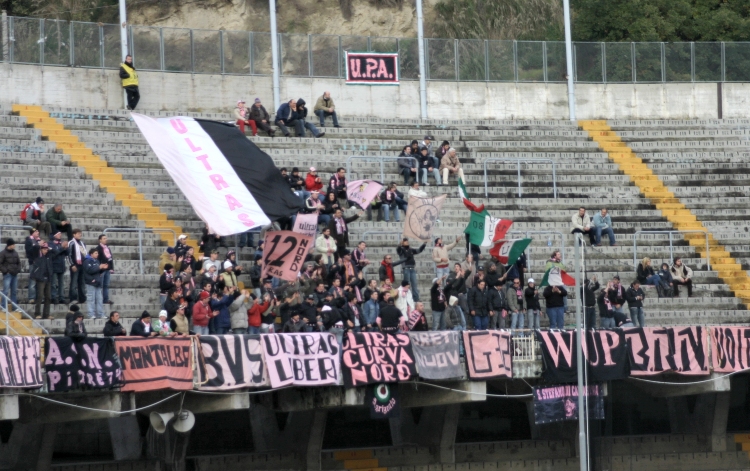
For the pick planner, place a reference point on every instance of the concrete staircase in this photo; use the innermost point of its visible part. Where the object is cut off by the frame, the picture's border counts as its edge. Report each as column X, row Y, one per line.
column 588, row 173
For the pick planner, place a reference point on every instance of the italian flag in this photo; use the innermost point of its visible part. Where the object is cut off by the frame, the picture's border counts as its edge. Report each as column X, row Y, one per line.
column 508, row 251
column 484, row 230
column 465, row 198
column 557, row 277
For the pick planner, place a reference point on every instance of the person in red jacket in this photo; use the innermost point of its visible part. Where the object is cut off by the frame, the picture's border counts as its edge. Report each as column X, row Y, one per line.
column 313, row 182
column 254, row 313
column 202, row 313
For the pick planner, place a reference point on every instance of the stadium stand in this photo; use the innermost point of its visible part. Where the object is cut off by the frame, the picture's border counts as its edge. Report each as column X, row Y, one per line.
column 586, row 176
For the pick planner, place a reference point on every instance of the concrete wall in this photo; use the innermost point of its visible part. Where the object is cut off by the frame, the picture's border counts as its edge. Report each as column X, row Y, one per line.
column 95, row 88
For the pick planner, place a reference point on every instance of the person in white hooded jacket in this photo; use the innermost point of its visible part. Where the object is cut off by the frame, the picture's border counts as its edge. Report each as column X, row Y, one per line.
column 404, row 300
column 238, row 312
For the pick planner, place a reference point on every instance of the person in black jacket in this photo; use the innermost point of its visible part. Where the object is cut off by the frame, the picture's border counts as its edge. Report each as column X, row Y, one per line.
column 589, row 301
column 407, row 254
column 498, row 305
column 309, row 311
column 302, row 114
column 555, row 306
column 390, row 318
column 606, row 311
column 166, row 283
column 10, row 267
column 295, row 324
column 113, row 328
column 76, row 329
column 142, row 327
column 438, row 302
column 105, row 257
column 58, row 252
column 41, row 273
column 533, row 309
column 616, row 294
column 352, row 314
column 339, row 227
column 479, row 305
column 635, row 296
column 31, row 247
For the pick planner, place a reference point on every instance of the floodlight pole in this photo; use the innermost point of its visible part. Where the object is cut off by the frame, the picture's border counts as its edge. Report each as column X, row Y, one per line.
column 582, row 410
column 569, row 61
column 124, row 42
column 422, row 77
column 274, row 53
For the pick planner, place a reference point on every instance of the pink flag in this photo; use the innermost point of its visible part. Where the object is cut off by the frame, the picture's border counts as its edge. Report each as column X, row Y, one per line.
column 363, row 192
column 306, row 224
column 284, row 254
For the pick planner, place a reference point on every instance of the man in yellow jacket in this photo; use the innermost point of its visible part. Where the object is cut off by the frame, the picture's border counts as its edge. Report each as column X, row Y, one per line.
column 129, row 78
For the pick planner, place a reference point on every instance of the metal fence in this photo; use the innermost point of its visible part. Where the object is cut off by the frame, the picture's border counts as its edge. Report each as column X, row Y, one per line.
column 77, row 44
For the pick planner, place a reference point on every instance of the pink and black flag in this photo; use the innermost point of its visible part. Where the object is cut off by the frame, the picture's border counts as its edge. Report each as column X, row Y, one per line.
column 232, row 185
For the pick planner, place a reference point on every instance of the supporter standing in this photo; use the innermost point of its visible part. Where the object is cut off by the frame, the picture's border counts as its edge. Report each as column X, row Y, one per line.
column 404, row 299
column 76, row 255
column 313, row 181
column 416, row 192
column 202, row 313
column 555, row 309
column 441, row 257
column 635, row 296
column 142, row 327
column 616, row 294
column 340, row 230
column 92, row 277
column 589, row 301
column 41, row 272
column 533, row 309
column 31, row 247
column 514, row 297
column 106, row 258
column 10, row 267
column 58, row 252
column 438, row 303
column 406, row 253
column 129, row 82
column 479, row 305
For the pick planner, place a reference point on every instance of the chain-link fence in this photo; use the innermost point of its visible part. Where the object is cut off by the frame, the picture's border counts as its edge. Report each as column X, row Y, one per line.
column 77, row 44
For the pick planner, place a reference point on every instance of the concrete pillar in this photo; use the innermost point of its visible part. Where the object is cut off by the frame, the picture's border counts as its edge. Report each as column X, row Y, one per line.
column 30, row 447
column 9, row 407
column 436, row 430
column 127, row 443
column 564, row 431
column 708, row 417
column 306, row 428
column 264, row 427
column 170, row 448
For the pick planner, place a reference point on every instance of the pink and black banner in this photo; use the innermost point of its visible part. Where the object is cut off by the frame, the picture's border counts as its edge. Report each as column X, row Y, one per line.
column 371, row 68
column 310, row 359
column 232, row 362
column 488, row 354
column 232, row 185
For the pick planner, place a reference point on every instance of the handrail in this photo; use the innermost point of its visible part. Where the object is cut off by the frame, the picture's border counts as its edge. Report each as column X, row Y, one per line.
column 140, row 231
column 381, row 158
column 11, row 226
column 518, row 163
column 671, row 247
column 23, row 313
column 528, row 233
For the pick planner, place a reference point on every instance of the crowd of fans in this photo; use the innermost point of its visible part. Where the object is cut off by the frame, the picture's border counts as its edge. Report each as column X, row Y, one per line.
column 339, row 287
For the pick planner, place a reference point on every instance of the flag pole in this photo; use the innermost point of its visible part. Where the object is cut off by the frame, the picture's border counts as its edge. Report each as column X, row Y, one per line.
column 582, row 435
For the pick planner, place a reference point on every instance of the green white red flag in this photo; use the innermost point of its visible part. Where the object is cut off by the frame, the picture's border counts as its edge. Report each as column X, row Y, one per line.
column 508, row 251
column 556, row 276
column 484, row 230
column 465, row 198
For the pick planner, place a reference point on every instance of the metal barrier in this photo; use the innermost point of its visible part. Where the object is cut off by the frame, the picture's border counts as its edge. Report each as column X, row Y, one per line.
column 81, row 44
column 528, row 250
column 7, row 308
column 381, row 158
column 11, row 226
column 140, row 232
column 671, row 246
column 518, row 163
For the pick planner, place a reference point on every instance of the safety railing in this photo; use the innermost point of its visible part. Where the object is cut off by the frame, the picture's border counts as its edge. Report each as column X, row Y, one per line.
column 524, row 346
column 381, row 159
column 11, row 226
column 140, row 231
column 198, row 51
column 671, row 244
column 9, row 306
column 518, row 166
column 528, row 234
